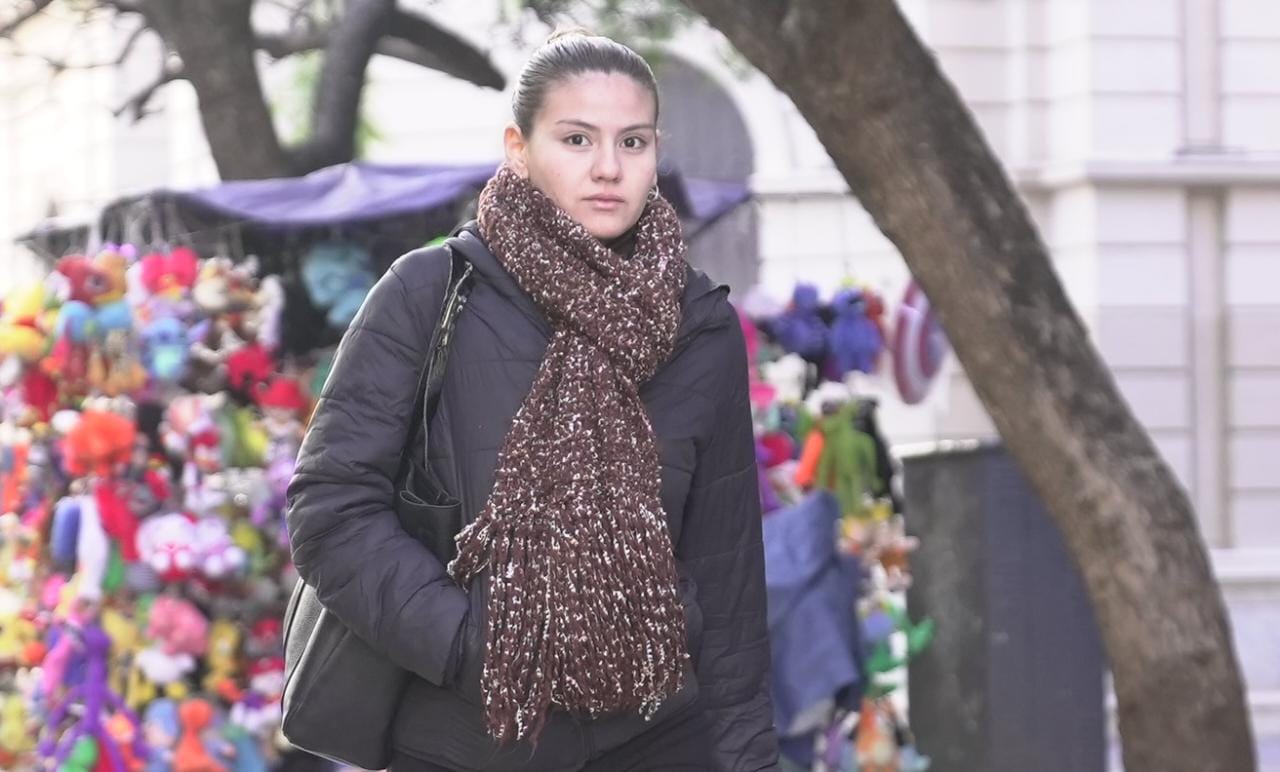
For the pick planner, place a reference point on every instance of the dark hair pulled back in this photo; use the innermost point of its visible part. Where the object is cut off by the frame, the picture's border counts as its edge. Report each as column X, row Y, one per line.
column 573, row 52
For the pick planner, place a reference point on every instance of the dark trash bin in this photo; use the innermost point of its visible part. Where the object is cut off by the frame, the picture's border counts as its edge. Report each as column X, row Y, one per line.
column 1013, row 681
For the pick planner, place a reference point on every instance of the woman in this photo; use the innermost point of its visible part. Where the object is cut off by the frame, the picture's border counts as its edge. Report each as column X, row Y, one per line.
column 606, row 608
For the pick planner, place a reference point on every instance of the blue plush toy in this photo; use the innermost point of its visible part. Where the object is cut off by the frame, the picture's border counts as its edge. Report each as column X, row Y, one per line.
column 337, row 278
column 165, row 349
column 800, row 329
column 855, row 339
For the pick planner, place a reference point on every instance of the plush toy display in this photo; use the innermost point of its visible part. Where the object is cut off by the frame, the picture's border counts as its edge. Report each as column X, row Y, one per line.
column 148, row 427
column 817, row 440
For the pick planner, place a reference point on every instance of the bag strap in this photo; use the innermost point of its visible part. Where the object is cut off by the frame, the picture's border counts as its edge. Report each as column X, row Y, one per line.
column 431, row 378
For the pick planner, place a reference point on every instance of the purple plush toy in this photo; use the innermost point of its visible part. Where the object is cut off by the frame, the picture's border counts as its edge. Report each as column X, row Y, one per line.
column 97, row 699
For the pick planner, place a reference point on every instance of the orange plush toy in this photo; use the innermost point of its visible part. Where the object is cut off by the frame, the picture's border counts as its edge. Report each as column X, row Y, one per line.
column 191, row 755
column 99, row 443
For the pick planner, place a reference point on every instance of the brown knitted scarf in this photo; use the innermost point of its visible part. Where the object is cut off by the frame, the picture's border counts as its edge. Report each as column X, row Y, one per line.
column 583, row 608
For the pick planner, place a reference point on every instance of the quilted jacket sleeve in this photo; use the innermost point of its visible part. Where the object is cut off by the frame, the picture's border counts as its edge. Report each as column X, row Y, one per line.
column 346, row 540
column 721, row 546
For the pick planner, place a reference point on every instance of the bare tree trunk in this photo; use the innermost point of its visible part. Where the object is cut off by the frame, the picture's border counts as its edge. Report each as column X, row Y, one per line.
column 216, row 42
column 912, row 153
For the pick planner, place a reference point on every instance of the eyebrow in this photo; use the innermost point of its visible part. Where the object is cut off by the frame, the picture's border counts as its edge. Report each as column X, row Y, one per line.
column 590, row 127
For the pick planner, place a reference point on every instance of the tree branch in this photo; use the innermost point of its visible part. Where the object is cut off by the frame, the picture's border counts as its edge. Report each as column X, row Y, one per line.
column 34, row 7
column 138, row 102
column 60, row 66
column 407, row 37
column 420, row 40
column 282, row 45
column 351, row 44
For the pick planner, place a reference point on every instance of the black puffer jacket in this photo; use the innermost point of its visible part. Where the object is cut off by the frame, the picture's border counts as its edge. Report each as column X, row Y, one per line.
column 395, row 594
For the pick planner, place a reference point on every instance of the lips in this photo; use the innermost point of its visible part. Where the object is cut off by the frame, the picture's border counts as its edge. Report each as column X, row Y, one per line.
column 605, row 199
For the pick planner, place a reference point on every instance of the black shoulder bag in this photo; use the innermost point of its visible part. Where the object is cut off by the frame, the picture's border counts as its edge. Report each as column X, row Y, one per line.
column 341, row 696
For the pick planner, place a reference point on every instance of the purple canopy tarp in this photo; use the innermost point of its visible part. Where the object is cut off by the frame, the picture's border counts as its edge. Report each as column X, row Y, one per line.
column 358, row 192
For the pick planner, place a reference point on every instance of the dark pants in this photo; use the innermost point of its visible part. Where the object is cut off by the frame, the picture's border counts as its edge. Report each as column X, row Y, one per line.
column 679, row 745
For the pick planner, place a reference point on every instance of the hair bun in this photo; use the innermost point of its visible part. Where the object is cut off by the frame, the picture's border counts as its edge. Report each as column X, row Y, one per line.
column 568, row 32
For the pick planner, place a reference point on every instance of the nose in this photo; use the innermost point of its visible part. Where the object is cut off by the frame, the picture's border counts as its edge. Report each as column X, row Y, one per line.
column 606, row 166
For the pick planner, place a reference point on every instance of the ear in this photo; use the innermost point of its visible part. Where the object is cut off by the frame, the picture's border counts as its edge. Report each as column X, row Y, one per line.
column 515, row 147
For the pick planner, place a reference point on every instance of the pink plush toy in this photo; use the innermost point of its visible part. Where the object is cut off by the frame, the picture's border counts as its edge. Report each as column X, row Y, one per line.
column 178, row 626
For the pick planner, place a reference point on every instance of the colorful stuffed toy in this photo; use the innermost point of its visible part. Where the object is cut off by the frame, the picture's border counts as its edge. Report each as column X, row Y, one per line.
column 164, row 342
column 23, row 330
column 855, row 341
column 17, row 731
column 95, row 701
column 161, row 730
column 337, row 278
column 170, row 276
column 167, row 543
column 100, row 444
column 217, row 556
column 223, row 660
column 191, row 755
column 800, row 329
column 178, row 626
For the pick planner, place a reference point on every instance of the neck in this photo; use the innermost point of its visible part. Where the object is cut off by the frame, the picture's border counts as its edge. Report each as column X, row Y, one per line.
column 624, row 243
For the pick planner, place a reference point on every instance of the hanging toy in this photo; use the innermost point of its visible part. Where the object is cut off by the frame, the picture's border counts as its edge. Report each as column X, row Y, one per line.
column 125, row 735
column 95, row 700
column 258, row 710
column 84, row 756
column 839, row 458
column 23, row 333
column 919, row 345
column 874, row 745
column 17, row 732
column 210, row 291
column 217, row 556
column 93, row 551
column 283, row 404
column 800, row 329
column 179, row 626
column 167, row 543
column 117, row 518
column 126, row 641
column 337, row 280
column 83, row 281
column 178, row 629
column 807, row 470
column 164, row 349
column 169, row 277
column 249, row 368
column 161, row 730
column 855, row 340
column 210, row 344
column 99, row 444
column 223, row 660
column 270, row 304
column 245, row 751
column 787, row 376
column 191, row 755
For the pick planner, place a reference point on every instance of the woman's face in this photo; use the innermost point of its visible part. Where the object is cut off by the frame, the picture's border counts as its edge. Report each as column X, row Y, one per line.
column 592, row 150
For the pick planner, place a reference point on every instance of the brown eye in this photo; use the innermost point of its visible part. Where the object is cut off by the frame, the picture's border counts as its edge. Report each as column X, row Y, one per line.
column 576, row 140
